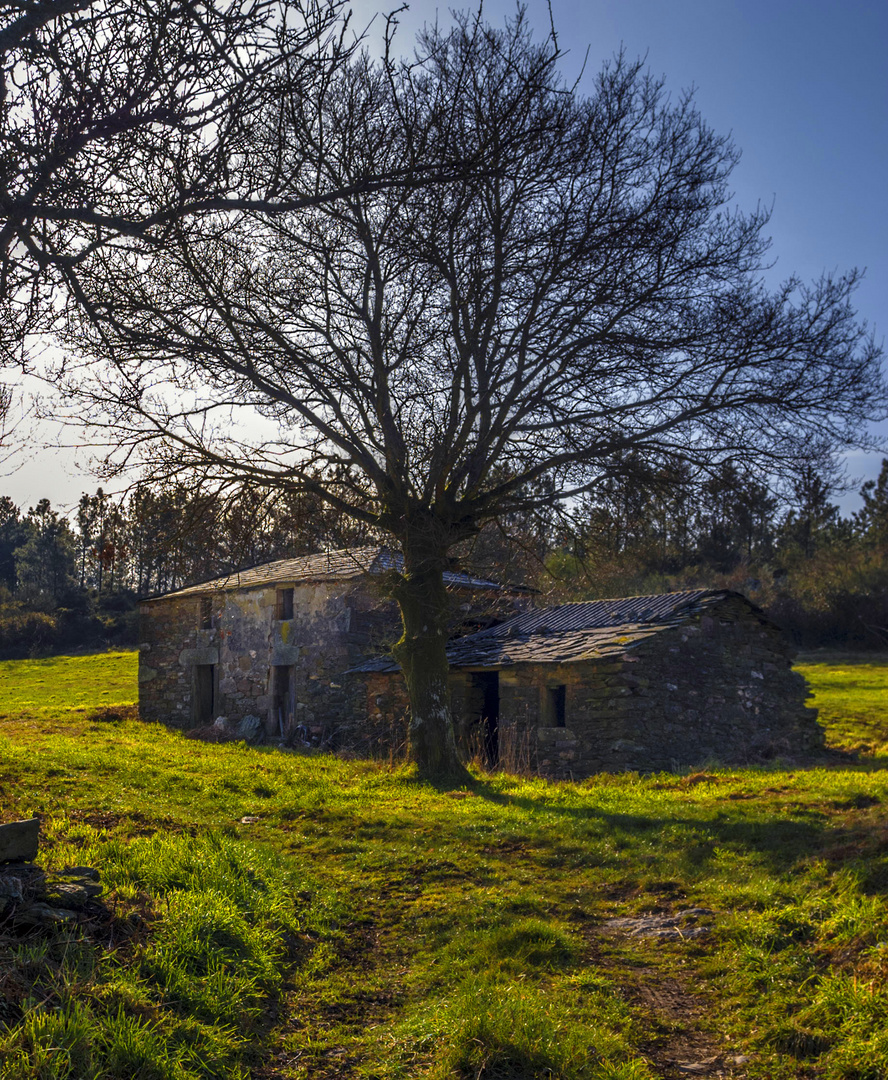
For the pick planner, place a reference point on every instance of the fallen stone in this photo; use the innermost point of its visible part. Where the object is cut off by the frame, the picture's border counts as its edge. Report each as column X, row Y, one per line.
column 250, row 819
column 66, row 894
column 698, row 1068
column 30, row 877
column 19, row 840
column 250, row 729
column 91, row 888
column 10, row 888
column 43, row 915
column 81, row 872
column 677, row 926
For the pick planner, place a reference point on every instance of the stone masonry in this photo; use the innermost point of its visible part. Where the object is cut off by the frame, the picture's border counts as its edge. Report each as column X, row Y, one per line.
column 331, row 627
column 712, row 684
column 274, row 642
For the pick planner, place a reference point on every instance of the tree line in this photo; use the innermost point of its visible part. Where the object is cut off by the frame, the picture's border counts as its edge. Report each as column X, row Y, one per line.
column 76, row 579
column 820, row 574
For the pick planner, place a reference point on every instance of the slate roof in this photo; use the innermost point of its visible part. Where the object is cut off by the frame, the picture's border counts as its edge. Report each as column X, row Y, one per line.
column 342, row 565
column 572, row 632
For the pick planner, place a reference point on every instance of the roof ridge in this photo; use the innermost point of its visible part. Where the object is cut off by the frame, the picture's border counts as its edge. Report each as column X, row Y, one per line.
column 348, row 562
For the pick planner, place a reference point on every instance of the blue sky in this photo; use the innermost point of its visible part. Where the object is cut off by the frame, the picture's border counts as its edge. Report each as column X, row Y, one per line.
column 802, row 88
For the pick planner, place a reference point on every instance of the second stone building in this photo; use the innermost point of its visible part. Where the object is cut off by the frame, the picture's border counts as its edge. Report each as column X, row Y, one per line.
column 644, row 683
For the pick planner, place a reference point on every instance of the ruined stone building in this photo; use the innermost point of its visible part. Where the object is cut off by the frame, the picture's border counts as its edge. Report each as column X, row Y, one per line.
column 297, row 648
column 643, row 683
column 271, row 643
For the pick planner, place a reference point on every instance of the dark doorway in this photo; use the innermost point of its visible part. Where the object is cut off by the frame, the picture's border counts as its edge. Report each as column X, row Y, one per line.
column 204, row 693
column 485, row 685
column 280, row 700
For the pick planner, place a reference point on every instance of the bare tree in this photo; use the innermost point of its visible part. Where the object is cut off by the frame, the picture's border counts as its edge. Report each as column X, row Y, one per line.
column 117, row 116
column 427, row 359
column 120, row 118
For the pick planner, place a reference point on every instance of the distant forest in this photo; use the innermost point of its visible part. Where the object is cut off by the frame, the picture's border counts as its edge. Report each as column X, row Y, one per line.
column 70, row 582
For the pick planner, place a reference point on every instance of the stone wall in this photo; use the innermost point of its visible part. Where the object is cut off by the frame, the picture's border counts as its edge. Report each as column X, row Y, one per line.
column 336, row 625
column 718, row 689
column 333, row 627
column 170, row 644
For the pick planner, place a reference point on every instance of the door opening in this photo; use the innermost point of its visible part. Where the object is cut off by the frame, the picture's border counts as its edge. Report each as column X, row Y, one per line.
column 280, row 700
column 486, row 687
column 204, row 694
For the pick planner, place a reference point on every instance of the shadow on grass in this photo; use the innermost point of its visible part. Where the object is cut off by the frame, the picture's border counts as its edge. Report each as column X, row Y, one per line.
column 781, row 836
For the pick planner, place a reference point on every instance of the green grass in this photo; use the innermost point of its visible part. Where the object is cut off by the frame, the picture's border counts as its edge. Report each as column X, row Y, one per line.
column 185, row 993
column 371, row 925
column 851, row 694
column 48, row 688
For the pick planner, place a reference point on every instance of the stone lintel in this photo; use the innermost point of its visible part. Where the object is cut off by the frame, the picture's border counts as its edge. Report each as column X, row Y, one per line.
column 285, row 655
column 207, row 655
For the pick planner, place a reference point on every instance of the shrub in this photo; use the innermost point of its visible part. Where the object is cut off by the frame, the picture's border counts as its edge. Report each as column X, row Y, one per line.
column 26, row 633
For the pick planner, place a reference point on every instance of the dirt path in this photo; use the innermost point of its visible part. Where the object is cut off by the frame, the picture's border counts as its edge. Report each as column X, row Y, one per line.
column 643, row 957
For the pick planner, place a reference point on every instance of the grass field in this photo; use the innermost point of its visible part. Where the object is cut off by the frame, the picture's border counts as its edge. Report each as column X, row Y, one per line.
column 58, row 685
column 276, row 915
column 852, row 696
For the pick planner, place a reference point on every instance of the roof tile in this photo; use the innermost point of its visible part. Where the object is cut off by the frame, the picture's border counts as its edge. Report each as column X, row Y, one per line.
column 571, row 632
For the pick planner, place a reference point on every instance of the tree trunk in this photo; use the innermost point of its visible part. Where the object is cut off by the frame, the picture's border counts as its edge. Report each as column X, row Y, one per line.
column 423, row 601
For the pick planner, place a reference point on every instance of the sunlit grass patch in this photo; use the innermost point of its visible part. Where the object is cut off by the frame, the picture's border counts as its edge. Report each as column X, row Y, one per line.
column 493, row 1029
column 851, row 694
column 99, row 682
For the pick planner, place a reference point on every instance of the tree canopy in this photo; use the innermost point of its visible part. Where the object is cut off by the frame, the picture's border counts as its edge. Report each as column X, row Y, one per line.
column 426, row 358
column 121, row 118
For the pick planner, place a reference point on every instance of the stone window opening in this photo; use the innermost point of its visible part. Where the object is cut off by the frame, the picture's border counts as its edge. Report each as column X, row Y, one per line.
column 283, row 608
column 556, row 706
column 206, row 613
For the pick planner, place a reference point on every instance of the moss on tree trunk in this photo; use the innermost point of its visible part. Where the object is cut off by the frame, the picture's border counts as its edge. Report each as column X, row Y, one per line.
column 422, row 598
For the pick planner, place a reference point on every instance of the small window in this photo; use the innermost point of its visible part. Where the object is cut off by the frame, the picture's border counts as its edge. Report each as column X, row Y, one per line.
column 283, row 608
column 206, row 613
column 556, row 705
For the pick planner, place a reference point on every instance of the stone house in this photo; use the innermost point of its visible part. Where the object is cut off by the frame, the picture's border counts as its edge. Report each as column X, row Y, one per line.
column 642, row 683
column 270, row 644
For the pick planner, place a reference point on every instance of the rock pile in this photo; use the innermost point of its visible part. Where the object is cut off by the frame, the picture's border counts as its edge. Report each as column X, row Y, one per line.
column 249, row 730
column 33, row 898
